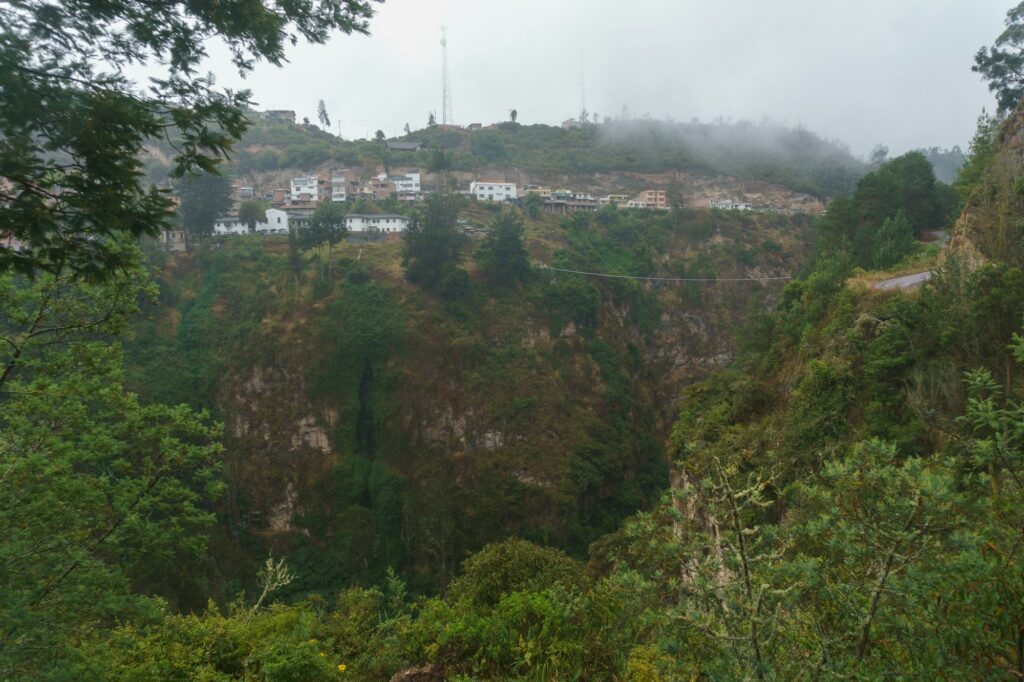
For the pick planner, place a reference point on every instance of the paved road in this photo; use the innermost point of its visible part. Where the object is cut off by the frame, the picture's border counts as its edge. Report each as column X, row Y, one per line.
column 904, row 282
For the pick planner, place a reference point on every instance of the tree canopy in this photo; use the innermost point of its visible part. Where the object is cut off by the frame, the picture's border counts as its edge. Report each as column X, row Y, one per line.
column 1002, row 64
column 502, row 256
column 433, row 245
column 204, row 197
column 72, row 124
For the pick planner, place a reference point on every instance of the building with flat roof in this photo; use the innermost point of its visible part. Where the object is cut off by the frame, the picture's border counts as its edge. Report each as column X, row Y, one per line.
column 385, row 223
column 404, row 146
column 493, row 191
column 304, row 189
column 653, row 198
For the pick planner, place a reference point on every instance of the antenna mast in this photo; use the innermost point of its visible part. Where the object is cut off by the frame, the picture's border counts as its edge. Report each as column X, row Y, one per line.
column 583, row 88
column 446, row 92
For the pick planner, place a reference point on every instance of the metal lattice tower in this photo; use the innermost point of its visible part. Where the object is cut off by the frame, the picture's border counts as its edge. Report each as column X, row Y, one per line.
column 446, row 90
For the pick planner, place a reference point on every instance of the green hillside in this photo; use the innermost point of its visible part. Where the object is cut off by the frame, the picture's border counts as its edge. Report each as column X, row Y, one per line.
column 792, row 158
column 371, row 424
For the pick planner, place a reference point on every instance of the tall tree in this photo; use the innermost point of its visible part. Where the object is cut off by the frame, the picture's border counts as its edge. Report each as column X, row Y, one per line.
column 433, row 246
column 379, row 136
column 1002, row 65
column 204, row 197
column 109, row 491
column 502, row 256
column 72, row 124
column 321, row 113
column 326, row 229
column 252, row 213
column 513, row 115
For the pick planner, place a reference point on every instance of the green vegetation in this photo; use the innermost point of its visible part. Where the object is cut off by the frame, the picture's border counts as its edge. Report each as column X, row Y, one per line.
column 433, row 248
column 1002, row 65
column 74, row 125
column 326, row 227
column 252, row 212
column 875, row 226
column 502, row 257
column 435, row 455
column 204, row 197
column 796, row 159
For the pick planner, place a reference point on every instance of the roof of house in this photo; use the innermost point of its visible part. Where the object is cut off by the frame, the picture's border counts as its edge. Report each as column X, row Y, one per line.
column 405, row 146
column 376, row 215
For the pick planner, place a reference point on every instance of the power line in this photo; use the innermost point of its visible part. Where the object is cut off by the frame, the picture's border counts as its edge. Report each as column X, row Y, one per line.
column 667, row 279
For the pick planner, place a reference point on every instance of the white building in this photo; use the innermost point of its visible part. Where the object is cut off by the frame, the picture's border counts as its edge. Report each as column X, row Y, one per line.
column 493, row 191
column 338, row 187
column 276, row 223
column 385, row 222
column 229, row 224
column 406, row 184
column 730, row 205
column 304, row 189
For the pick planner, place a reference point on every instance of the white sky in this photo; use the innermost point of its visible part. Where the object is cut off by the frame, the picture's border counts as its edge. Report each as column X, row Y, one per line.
column 861, row 71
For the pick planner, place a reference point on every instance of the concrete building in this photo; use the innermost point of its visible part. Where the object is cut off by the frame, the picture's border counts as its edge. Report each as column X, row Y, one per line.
column 653, row 198
column 229, row 224
column 304, row 189
column 300, row 213
column 385, row 223
column 404, row 146
column 619, row 200
column 543, row 192
column 493, row 191
column 339, row 186
column 381, row 189
column 174, row 241
column 567, row 202
column 405, row 183
column 276, row 222
column 730, row 205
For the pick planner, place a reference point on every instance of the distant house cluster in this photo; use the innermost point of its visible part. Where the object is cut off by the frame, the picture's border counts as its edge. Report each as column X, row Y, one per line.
column 730, row 205
column 566, row 201
column 293, row 206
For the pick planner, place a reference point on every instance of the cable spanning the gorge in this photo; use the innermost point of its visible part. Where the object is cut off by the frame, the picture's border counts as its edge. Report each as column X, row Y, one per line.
column 667, row 279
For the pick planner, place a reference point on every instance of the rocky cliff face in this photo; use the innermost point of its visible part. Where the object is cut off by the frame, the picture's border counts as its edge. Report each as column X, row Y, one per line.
column 991, row 226
column 375, row 406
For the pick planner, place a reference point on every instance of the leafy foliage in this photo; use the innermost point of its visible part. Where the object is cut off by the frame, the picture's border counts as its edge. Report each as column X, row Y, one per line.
column 502, row 256
column 72, row 124
column 1002, row 65
column 108, row 499
column 204, row 197
column 433, row 248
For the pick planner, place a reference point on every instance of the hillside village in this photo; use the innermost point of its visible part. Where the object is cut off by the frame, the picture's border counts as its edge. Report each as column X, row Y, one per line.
column 378, row 197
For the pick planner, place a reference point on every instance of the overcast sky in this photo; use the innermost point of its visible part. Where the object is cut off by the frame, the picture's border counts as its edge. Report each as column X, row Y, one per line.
column 861, row 71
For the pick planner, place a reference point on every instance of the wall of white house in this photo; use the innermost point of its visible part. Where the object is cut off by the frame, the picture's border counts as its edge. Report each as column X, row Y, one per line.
column 376, row 223
column 493, row 191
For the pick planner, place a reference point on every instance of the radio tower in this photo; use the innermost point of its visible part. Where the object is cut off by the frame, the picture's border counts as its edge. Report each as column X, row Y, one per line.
column 446, row 92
